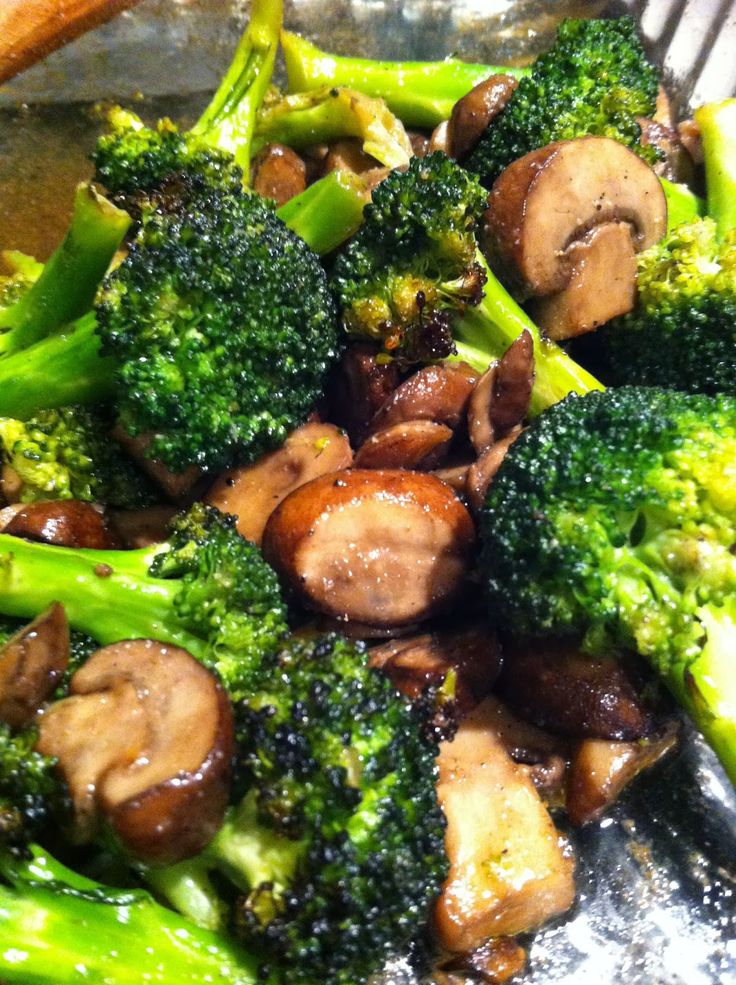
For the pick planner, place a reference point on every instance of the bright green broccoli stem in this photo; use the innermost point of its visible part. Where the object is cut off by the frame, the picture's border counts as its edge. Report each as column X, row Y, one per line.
column 717, row 122
column 229, row 120
column 244, row 851
column 58, row 371
column 107, row 594
column 421, row 94
column 683, row 205
column 328, row 212
column 485, row 332
column 59, row 929
column 329, row 114
column 66, row 287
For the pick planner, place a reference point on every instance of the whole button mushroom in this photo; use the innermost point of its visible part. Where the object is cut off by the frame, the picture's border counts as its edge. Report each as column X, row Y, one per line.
column 145, row 741
column 566, row 222
column 380, row 547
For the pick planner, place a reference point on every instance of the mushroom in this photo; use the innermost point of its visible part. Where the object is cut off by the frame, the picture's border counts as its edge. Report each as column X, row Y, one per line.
column 31, row 663
column 412, row 445
column 500, row 398
column 472, row 114
column 278, row 173
column 65, row 522
column 176, row 485
column 566, row 221
column 560, row 688
column 361, row 385
column 252, row 492
column 143, row 527
column 384, row 548
column 348, row 155
column 145, row 741
column 437, row 393
column 481, row 472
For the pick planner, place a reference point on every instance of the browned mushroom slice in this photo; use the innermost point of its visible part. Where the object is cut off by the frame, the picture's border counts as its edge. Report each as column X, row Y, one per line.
column 493, row 963
column 675, row 163
column 143, row 527
column 411, row 445
column 419, row 143
column 510, row 870
column 348, row 155
column 473, row 655
column 472, row 114
column 145, row 741
column 556, row 686
column 456, row 476
column 384, row 548
column 481, row 472
column 31, row 663
column 66, row 522
column 440, row 138
column 500, row 398
column 600, row 769
column 278, row 173
column 361, row 385
column 437, row 393
column 253, row 492
column 176, row 485
column 544, row 208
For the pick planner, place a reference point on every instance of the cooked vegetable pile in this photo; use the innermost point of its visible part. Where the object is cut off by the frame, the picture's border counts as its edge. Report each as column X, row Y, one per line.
column 329, row 566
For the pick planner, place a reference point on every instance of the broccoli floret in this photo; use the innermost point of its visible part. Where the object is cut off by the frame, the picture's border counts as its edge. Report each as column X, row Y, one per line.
column 421, row 94
column 215, row 335
column 595, row 80
column 613, row 518
column 59, row 928
column 31, row 793
column 337, row 849
column 414, row 279
column 207, row 590
column 136, row 163
column 680, row 334
column 68, row 454
column 35, row 302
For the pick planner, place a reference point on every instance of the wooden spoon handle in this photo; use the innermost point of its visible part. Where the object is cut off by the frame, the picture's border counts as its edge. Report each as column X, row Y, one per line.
column 31, row 29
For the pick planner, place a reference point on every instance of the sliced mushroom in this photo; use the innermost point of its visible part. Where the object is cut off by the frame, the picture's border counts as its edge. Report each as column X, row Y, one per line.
column 66, row 522
column 456, row 476
column 348, row 155
column 419, row 143
column 500, row 398
column 472, row 114
column 437, row 393
column 493, row 963
column 510, row 870
column 175, row 485
column 440, row 138
column 676, row 163
column 279, row 173
column 545, row 207
column 31, row 664
column 600, row 769
column 556, row 686
column 482, row 472
column 473, row 655
column 252, row 492
column 361, row 385
column 384, row 548
column 146, row 742
column 143, row 527
column 412, row 445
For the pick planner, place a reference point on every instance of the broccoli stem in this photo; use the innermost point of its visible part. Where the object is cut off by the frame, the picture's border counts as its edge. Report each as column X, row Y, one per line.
column 66, row 287
column 683, row 205
column 54, row 931
column 717, row 122
column 58, row 371
column 329, row 114
column 107, row 594
column 229, row 120
column 421, row 94
column 328, row 212
column 486, row 331
column 21, row 263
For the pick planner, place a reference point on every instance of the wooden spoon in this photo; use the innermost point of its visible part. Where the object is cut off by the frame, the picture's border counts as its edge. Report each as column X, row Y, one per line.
column 32, row 29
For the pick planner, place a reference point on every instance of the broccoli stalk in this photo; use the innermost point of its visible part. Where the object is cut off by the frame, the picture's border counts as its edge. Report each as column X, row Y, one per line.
column 717, row 122
column 329, row 114
column 421, row 94
column 66, row 286
column 206, row 590
column 613, row 519
column 58, row 928
column 328, row 212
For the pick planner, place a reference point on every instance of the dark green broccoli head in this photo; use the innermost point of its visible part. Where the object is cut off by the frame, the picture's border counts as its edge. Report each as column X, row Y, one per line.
column 412, row 265
column 595, row 80
column 337, row 762
column 68, row 454
column 227, row 596
column 682, row 332
column 222, row 328
column 139, row 165
column 31, row 792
